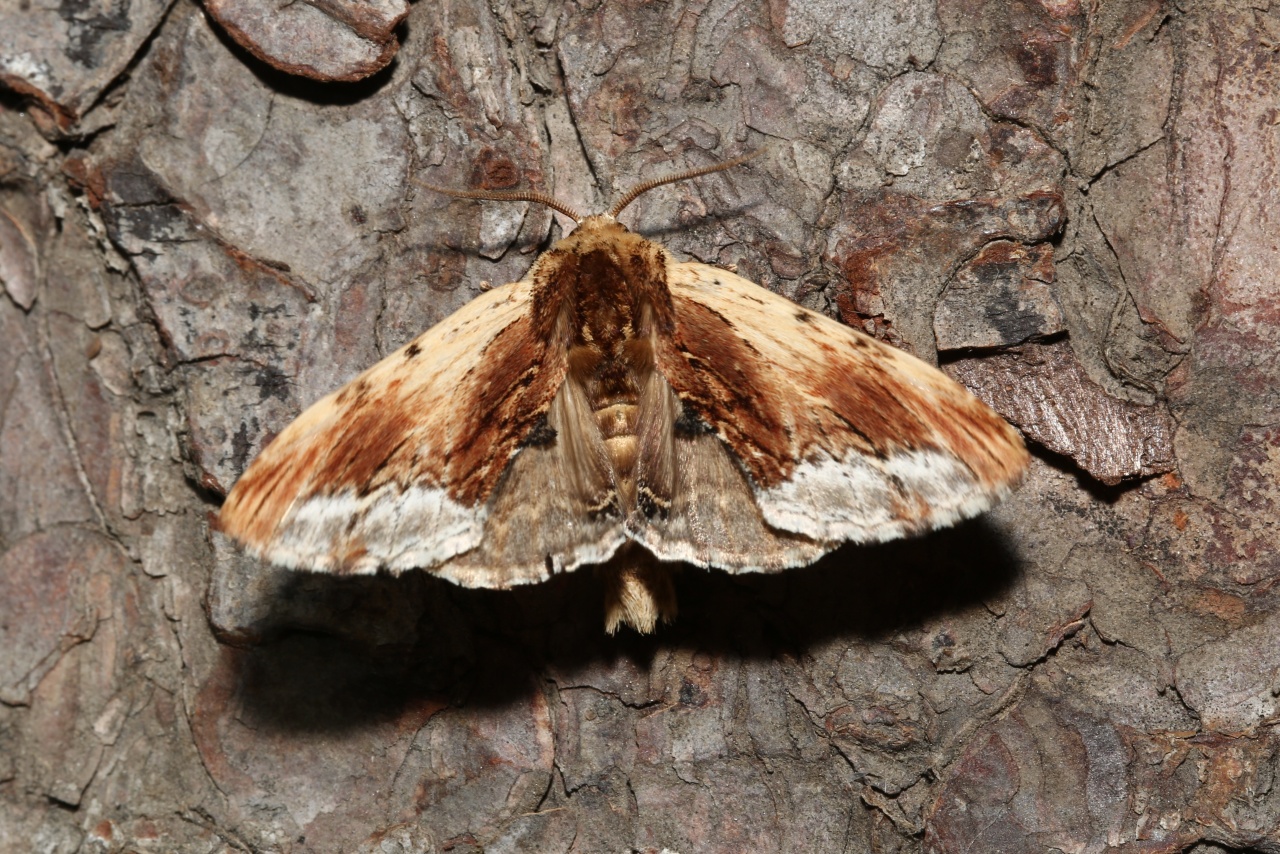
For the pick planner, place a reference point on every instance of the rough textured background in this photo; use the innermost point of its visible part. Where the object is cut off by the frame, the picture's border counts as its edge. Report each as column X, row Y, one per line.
column 207, row 223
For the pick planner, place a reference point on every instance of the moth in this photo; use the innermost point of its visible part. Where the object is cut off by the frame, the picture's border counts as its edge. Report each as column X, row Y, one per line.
column 620, row 408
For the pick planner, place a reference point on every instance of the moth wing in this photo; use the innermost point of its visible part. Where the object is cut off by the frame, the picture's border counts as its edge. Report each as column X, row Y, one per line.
column 548, row 513
column 700, row 507
column 400, row 468
column 844, row 438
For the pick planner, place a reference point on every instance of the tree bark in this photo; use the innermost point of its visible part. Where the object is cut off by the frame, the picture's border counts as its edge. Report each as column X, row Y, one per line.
column 208, row 219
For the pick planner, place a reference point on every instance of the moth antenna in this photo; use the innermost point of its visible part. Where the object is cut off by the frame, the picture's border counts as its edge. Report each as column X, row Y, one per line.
column 632, row 194
column 506, row 196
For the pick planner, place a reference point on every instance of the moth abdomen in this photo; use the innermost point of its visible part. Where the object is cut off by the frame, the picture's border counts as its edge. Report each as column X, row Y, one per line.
column 616, row 417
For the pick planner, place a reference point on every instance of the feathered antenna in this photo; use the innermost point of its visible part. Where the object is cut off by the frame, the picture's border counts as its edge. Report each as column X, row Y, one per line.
column 555, row 204
column 635, row 192
column 507, row 196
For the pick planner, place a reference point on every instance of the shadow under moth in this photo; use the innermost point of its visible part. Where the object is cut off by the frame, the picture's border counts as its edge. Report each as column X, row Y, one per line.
column 618, row 407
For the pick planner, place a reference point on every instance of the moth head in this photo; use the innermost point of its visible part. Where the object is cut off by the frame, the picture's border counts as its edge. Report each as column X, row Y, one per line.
column 618, row 207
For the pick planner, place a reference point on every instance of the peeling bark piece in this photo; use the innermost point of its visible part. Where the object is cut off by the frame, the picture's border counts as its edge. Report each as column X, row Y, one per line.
column 19, row 267
column 1044, row 392
column 1001, row 298
column 330, row 40
column 63, row 55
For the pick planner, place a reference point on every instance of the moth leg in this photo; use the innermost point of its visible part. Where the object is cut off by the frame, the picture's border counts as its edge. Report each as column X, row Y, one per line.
column 638, row 591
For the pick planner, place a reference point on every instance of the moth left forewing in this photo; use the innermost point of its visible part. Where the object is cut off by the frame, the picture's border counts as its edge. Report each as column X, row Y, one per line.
column 844, row 437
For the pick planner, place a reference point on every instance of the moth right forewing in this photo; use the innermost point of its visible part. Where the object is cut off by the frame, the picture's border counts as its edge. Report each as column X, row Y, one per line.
column 362, row 479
